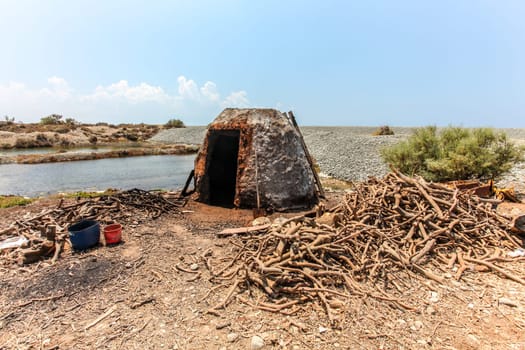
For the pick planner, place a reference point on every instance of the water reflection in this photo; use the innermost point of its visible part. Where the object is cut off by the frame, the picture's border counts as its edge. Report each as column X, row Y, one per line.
column 148, row 172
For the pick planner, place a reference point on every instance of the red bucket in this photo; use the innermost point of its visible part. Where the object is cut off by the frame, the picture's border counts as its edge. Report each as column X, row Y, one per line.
column 113, row 233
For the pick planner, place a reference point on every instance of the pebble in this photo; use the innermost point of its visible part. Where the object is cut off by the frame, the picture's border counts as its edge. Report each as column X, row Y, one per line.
column 434, row 297
column 507, row 301
column 430, row 310
column 256, row 343
column 416, row 326
column 232, row 337
column 222, row 325
column 194, row 267
column 263, row 220
column 322, row 329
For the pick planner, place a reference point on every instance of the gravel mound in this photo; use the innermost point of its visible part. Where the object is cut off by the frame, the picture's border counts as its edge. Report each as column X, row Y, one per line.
column 192, row 135
column 348, row 153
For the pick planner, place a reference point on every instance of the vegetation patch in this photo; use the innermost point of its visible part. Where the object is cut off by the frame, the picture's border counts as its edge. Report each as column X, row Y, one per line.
column 174, row 123
column 454, row 154
column 13, row 201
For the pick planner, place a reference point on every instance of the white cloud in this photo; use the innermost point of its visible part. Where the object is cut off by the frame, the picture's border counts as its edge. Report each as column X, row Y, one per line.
column 236, row 99
column 209, row 91
column 187, row 88
column 118, row 102
column 134, row 94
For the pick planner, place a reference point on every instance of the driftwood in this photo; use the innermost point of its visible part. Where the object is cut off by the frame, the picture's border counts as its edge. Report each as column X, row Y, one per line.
column 385, row 228
column 242, row 230
column 47, row 231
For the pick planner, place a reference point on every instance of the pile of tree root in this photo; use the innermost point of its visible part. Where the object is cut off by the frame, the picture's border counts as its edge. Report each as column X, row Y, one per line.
column 47, row 232
column 382, row 229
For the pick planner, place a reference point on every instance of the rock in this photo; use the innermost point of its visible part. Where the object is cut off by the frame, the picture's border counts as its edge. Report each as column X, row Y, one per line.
column 256, row 343
column 263, row 220
column 194, row 267
column 430, row 310
column 326, row 219
column 470, row 305
column 222, row 325
column 231, row 337
column 417, row 325
column 322, row 329
column 473, row 341
column 434, row 297
column 507, row 301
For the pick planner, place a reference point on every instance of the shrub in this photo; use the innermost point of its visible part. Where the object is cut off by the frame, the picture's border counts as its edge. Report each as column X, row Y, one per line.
column 383, row 130
column 9, row 120
column 174, row 123
column 53, row 119
column 454, row 154
column 93, row 140
column 11, row 201
column 131, row 137
column 71, row 121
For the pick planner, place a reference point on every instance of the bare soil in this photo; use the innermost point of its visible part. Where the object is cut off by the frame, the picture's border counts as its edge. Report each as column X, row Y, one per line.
column 143, row 294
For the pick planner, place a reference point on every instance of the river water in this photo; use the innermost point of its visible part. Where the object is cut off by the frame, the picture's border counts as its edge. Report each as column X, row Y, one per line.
column 148, row 172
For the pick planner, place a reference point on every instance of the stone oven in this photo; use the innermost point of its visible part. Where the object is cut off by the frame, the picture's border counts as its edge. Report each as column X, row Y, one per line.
column 251, row 153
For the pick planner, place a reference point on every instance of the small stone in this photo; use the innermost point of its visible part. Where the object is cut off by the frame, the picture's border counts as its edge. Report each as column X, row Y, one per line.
column 194, row 267
column 322, row 329
column 262, row 220
column 472, row 340
column 417, row 325
column 128, row 265
column 470, row 305
column 434, row 297
column 222, row 325
column 256, row 343
column 232, row 337
column 507, row 301
column 430, row 310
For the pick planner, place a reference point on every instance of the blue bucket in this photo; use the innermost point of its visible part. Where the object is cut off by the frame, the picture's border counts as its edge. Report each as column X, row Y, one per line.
column 84, row 234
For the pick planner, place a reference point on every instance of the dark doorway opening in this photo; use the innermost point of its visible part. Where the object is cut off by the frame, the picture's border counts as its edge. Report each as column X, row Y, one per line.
column 223, row 151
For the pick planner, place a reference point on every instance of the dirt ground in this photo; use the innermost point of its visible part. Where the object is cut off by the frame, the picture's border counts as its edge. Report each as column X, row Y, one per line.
column 153, row 291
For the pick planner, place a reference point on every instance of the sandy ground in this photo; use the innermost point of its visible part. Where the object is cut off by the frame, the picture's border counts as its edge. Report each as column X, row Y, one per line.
column 142, row 294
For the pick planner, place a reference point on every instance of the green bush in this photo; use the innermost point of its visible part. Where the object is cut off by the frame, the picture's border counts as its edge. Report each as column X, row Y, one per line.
column 174, row 123
column 71, row 121
column 9, row 120
column 454, row 154
column 53, row 119
column 12, row 201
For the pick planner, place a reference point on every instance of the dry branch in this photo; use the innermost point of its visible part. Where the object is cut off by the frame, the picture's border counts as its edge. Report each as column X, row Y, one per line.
column 385, row 227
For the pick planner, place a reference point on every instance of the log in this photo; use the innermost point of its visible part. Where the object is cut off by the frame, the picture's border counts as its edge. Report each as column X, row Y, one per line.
column 242, row 230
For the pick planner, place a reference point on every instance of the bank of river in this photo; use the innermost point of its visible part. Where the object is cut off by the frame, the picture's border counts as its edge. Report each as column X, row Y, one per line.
column 84, row 154
column 147, row 172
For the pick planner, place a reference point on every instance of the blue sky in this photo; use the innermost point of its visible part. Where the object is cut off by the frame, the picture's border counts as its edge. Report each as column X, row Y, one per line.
column 400, row 63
